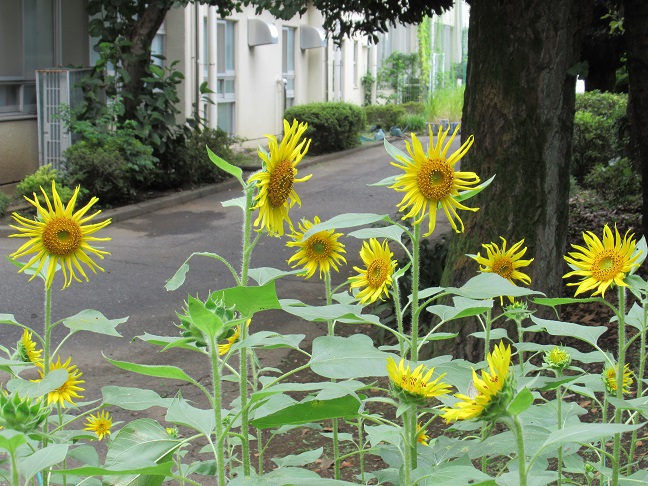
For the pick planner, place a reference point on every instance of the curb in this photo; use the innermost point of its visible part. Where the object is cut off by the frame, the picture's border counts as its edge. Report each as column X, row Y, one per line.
column 133, row 210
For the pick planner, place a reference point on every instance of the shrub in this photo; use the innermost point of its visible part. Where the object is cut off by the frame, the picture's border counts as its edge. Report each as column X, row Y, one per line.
column 332, row 126
column 413, row 123
column 384, row 116
column 414, row 107
column 187, row 163
column 445, row 104
column 618, row 183
column 4, row 203
column 599, row 131
column 43, row 177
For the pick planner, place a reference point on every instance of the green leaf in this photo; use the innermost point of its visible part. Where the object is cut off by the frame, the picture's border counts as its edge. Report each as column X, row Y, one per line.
column 179, row 277
column 348, row 357
column 249, row 300
column 299, row 459
column 181, row 413
column 163, row 469
column 310, row 411
column 226, row 166
column 495, row 334
column 391, row 232
column 238, row 202
column 35, row 389
column 583, row 433
column 93, row 321
column 396, row 153
column 271, row 340
column 285, row 476
column 170, row 342
column 8, row 319
column 346, row 220
column 473, row 192
column 638, row 404
column 589, row 334
column 135, row 399
column 463, row 308
column 348, row 313
column 41, row 459
column 204, row 319
column 11, row 440
column 158, row 371
column 490, row 285
column 451, row 473
column 156, row 70
column 556, row 301
column 387, row 181
column 263, row 275
column 522, row 401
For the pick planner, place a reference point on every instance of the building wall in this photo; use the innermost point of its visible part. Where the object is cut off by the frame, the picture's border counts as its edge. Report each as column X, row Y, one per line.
column 18, row 149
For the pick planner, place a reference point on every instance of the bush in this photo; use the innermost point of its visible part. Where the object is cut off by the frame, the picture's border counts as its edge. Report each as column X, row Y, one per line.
column 384, row 116
column 618, row 183
column 187, row 163
column 43, row 177
column 414, row 107
column 599, row 131
column 445, row 104
column 4, row 203
column 332, row 126
column 413, row 123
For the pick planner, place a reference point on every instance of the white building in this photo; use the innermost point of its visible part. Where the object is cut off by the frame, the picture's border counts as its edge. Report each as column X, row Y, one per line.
column 257, row 65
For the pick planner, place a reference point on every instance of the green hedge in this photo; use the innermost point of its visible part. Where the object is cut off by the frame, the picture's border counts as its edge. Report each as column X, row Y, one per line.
column 384, row 116
column 332, row 126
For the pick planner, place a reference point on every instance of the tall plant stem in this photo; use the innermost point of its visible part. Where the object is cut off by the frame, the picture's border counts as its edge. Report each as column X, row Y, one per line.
column 47, row 338
column 408, row 438
column 335, row 425
column 560, row 449
column 639, row 381
column 516, row 426
column 520, row 331
column 487, row 330
column 618, row 413
column 216, row 403
column 243, row 364
column 399, row 317
column 415, row 290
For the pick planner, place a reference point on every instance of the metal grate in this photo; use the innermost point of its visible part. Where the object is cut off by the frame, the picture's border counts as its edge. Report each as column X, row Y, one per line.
column 55, row 87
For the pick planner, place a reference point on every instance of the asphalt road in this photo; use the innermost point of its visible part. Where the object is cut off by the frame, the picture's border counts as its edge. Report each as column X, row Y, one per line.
column 148, row 249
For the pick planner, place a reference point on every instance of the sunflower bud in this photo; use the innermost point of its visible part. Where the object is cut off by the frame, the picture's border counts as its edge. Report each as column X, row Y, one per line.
column 557, row 359
column 22, row 414
column 190, row 331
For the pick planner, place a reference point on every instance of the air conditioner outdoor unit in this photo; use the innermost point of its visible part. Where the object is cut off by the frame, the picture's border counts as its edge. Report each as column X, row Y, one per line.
column 55, row 87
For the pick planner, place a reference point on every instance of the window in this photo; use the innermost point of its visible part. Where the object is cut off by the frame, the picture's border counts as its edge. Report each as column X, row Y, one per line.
column 26, row 44
column 288, row 64
column 226, row 85
column 157, row 46
column 356, row 45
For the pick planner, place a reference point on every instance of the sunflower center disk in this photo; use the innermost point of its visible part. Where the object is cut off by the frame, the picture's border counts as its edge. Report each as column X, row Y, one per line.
column 607, row 265
column 435, row 179
column 318, row 248
column 62, row 236
column 503, row 267
column 376, row 273
column 281, row 183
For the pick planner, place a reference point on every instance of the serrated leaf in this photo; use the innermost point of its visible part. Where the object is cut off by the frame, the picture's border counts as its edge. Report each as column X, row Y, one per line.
column 391, row 232
column 348, row 313
column 34, row 389
column 93, row 321
column 488, row 286
column 237, row 202
column 249, row 300
column 584, row 433
column 135, row 399
column 181, row 413
column 158, row 371
column 41, row 459
column 310, row 411
column 10, row 440
column 346, row 220
column 589, row 334
column 263, row 275
column 8, row 319
column 521, row 401
column 204, row 319
column 299, row 459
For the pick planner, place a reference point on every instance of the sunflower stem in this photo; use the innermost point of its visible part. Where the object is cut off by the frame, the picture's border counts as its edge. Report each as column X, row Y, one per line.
column 640, row 377
column 559, row 399
column 407, row 446
column 415, row 291
column 618, row 413
column 519, row 437
column 399, row 317
column 334, row 425
column 487, row 329
column 46, row 364
column 216, row 401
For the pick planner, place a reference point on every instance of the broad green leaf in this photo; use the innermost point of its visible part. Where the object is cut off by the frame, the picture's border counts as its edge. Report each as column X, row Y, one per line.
column 473, row 192
column 4, row 362
column 310, row 411
column 395, row 152
column 133, row 398
column 384, row 433
column 391, row 232
column 635, row 318
column 249, row 300
column 156, row 70
column 10, row 440
column 440, row 336
column 584, row 433
column 287, row 476
column 238, row 202
column 348, row 357
column 522, row 401
column 328, row 390
column 495, row 334
column 41, row 459
column 488, row 286
column 271, row 340
column 8, row 319
column 34, row 389
column 591, row 357
column 159, row 371
column 298, row 459
column 84, row 454
column 162, row 469
column 181, row 413
column 93, row 321
column 346, row 220
column 556, row 301
column 639, row 404
column 462, row 308
column 429, row 292
column 589, row 334
column 348, row 313
column 204, row 319
column 226, row 166
column 179, row 277
column 169, row 342
column 263, row 275
column 450, row 473
column 387, row 181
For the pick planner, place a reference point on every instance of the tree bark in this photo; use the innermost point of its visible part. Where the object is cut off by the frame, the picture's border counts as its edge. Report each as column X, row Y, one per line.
column 636, row 30
column 519, row 104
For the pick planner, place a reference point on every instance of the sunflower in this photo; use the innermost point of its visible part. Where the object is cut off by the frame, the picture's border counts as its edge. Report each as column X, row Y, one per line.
column 503, row 262
column 275, row 182
column 100, row 424
column 321, row 249
column 59, row 236
column 415, row 385
column 378, row 275
column 602, row 263
column 27, row 349
column 610, row 379
column 430, row 180
column 489, row 396
column 229, row 342
column 68, row 391
column 421, row 435
column 558, row 358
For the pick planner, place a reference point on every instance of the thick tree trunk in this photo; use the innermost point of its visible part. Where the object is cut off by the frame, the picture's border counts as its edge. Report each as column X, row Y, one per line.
column 519, row 104
column 636, row 31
